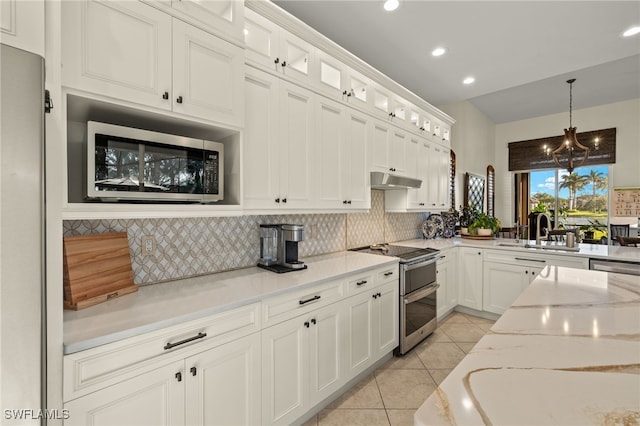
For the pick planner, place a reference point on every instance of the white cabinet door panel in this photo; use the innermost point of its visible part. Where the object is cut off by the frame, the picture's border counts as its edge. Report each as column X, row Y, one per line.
column 205, row 75
column 328, row 163
column 223, row 384
column 261, row 143
column 296, row 139
column 285, row 354
column 360, row 315
column 386, row 315
column 355, row 161
column 123, row 50
column 153, row 398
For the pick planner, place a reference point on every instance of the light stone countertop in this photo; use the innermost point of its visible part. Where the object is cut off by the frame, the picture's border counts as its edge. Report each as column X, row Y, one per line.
column 566, row 352
column 161, row 305
column 600, row 251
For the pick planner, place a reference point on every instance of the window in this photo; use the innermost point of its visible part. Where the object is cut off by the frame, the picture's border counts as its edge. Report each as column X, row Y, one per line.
column 582, row 197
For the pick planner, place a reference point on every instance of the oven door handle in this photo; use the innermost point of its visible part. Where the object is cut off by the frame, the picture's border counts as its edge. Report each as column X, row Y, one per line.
column 415, row 296
column 418, row 264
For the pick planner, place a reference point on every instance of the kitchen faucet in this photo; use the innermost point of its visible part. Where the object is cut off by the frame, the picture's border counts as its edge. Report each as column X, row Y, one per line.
column 538, row 226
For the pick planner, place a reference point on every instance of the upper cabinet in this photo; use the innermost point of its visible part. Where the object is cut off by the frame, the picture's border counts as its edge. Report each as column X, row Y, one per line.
column 274, row 48
column 339, row 81
column 221, row 16
column 22, row 25
column 136, row 53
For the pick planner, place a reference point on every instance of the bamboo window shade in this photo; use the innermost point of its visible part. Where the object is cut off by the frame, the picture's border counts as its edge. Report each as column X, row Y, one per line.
column 452, row 179
column 530, row 155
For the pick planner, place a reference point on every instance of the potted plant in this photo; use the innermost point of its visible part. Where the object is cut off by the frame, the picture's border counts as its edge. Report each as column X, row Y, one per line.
column 484, row 225
column 468, row 215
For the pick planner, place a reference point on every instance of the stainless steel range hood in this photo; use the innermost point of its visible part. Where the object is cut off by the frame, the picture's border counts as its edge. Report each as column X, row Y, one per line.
column 388, row 181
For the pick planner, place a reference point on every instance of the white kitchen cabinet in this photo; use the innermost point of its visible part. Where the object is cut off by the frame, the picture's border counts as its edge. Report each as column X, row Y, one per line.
column 275, row 49
column 338, row 81
column 389, row 148
column 223, row 384
column 447, row 270
column 340, row 166
column 220, row 15
column 443, row 177
column 133, row 52
column 301, row 363
column 503, row 283
column 418, row 163
column 470, row 277
column 153, row 398
column 278, row 141
column 220, row 386
column 372, row 324
column 22, row 25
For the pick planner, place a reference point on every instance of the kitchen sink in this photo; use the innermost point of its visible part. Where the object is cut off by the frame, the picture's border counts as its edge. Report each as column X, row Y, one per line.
column 510, row 245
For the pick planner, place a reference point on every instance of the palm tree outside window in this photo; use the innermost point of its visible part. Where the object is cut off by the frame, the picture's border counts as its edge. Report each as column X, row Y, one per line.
column 581, row 197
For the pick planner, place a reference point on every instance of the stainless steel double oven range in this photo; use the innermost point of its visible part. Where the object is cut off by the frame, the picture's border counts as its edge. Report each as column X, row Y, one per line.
column 418, row 291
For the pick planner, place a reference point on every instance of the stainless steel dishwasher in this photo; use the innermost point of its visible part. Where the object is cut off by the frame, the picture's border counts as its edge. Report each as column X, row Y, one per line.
column 618, row 266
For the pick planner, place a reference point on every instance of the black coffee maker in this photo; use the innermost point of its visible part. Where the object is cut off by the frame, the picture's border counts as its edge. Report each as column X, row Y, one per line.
column 279, row 247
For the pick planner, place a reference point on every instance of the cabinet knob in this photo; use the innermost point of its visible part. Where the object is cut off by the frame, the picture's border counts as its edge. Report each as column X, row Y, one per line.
column 179, row 376
column 306, row 324
column 165, row 95
column 313, row 321
column 349, row 202
column 344, row 92
column 179, row 100
column 277, row 200
column 479, row 253
column 284, row 64
column 344, row 202
column 276, row 61
column 193, row 371
column 284, row 200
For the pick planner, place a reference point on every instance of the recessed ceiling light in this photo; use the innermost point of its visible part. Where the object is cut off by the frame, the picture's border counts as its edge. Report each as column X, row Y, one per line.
column 390, row 5
column 631, row 31
column 468, row 80
column 438, row 51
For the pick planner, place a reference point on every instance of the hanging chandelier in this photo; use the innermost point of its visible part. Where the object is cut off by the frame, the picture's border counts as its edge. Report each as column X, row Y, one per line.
column 570, row 153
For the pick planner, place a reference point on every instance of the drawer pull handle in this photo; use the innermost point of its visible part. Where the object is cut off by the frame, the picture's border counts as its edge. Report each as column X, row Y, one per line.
column 359, row 283
column 302, row 302
column 386, row 274
column 193, row 371
column 313, row 321
column 531, row 260
column 182, row 342
column 179, row 376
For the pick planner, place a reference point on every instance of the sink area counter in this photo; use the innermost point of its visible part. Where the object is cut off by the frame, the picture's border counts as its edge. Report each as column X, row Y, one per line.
column 566, row 352
column 627, row 254
column 165, row 304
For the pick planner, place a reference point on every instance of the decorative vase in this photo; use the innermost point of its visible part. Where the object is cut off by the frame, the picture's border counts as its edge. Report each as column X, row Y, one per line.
column 484, row 232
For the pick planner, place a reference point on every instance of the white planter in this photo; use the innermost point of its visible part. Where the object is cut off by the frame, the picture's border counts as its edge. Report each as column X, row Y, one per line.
column 484, row 232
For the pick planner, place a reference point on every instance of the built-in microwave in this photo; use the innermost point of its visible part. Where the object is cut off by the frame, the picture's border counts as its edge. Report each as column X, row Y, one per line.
column 129, row 164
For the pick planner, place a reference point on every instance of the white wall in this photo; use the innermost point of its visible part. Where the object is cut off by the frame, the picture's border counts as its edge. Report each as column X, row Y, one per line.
column 473, row 140
column 624, row 116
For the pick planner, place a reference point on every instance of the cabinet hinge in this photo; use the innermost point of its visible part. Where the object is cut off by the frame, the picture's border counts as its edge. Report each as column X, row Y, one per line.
column 48, row 103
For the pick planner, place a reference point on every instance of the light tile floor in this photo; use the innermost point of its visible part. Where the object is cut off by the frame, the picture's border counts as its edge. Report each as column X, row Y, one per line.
column 392, row 394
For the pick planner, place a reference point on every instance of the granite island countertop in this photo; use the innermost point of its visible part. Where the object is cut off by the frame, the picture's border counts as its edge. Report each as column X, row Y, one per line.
column 566, row 352
column 161, row 305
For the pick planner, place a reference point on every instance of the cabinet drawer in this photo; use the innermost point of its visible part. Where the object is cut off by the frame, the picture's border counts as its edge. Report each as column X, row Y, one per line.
column 280, row 308
column 539, row 260
column 360, row 283
column 93, row 369
column 387, row 274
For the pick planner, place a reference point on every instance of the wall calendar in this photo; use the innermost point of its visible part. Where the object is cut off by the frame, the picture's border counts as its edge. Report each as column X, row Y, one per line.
column 626, row 202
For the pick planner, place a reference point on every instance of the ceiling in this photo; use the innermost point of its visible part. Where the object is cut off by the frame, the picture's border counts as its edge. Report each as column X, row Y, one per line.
column 520, row 52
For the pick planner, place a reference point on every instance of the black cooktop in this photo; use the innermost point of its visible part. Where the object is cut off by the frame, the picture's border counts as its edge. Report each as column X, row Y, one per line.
column 404, row 253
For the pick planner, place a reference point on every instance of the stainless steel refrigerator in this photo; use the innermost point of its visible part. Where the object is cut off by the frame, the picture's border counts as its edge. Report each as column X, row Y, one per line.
column 22, row 236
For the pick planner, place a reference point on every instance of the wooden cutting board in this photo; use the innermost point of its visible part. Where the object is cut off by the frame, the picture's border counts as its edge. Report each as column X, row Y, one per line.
column 96, row 268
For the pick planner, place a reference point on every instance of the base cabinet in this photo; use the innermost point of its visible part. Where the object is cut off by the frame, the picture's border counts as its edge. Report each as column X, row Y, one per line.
column 220, row 386
column 503, row 283
column 447, row 295
column 301, row 363
column 223, row 384
column 153, row 398
column 372, row 326
column 470, row 278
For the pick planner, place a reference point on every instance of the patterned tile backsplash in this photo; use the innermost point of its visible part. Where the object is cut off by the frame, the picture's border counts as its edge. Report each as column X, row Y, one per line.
column 195, row 246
